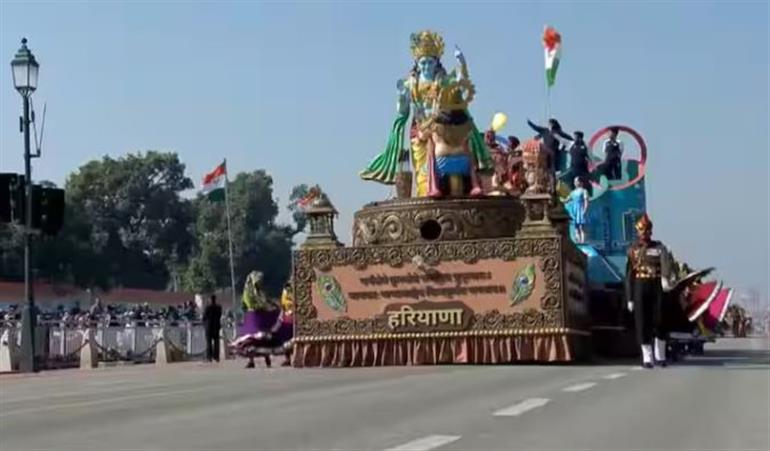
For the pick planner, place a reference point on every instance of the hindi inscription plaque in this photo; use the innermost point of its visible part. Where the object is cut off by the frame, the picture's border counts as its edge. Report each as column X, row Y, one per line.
column 428, row 316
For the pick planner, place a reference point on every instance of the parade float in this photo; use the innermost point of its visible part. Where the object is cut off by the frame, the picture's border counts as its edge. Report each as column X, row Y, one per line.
column 449, row 274
column 474, row 260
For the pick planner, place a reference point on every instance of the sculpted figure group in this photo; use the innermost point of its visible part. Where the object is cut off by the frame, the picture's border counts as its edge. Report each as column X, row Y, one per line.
column 446, row 150
column 435, row 134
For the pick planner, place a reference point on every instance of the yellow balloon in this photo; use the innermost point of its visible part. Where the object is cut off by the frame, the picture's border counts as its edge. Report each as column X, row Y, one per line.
column 498, row 121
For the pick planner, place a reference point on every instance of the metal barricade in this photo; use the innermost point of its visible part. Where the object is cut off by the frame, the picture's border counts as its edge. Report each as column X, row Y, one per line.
column 58, row 343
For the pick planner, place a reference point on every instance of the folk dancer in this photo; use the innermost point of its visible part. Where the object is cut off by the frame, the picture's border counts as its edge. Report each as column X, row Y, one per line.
column 648, row 275
column 286, row 331
column 261, row 319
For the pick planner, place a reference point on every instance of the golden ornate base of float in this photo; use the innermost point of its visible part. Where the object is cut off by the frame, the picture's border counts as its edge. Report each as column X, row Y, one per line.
column 487, row 347
column 422, row 220
column 498, row 282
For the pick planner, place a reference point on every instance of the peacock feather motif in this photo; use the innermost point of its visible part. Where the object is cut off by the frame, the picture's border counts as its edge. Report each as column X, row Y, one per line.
column 523, row 284
column 331, row 292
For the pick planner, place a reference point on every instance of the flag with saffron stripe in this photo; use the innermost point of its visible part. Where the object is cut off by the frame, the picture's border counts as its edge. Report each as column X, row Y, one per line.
column 214, row 183
column 552, row 45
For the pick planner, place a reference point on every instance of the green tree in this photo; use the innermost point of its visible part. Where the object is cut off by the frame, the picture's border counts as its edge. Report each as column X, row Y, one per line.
column 258, row 242
column 129, row 211
column 69, row 256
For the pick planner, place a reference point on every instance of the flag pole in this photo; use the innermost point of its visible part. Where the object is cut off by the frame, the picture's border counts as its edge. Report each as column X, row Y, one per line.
column 234, row 305
column 545, row 85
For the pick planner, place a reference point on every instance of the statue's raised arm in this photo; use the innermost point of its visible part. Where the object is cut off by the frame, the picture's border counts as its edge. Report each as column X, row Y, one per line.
column 463, row 64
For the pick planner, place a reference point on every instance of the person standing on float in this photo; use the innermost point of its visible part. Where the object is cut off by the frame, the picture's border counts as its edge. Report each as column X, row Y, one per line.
column 648, row 274
column 551, row 137
column 579, row 160
column 613, row 154
column 577, row 207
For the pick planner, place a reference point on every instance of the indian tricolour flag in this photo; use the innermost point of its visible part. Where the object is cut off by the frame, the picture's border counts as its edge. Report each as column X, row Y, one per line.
column 214, row 183
column 552, row 44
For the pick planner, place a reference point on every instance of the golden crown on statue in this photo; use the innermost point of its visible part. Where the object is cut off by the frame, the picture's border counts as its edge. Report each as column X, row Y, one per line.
column 427, row 43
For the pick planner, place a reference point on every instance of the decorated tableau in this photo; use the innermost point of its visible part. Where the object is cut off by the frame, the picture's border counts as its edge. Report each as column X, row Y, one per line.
column 477, row 242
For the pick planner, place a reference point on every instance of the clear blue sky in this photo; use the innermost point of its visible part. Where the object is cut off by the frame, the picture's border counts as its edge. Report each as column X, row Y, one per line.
column 306, row 91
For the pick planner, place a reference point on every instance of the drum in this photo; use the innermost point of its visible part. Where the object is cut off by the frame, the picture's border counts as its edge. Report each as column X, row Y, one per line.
column 700, row 298
column 716, row 311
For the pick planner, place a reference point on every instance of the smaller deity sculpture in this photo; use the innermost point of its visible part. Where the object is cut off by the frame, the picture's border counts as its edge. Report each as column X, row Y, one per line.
column 537, row 166
column 500, row 156
column 509, row 177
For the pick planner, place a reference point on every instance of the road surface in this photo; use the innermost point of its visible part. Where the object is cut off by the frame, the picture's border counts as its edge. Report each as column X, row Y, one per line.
column 720, row 401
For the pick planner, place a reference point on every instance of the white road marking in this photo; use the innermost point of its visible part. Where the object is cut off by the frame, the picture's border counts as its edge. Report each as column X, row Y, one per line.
column 426, row 443
column 524, row 406
column 636, row 368
column 579, row 387
column 613, row 376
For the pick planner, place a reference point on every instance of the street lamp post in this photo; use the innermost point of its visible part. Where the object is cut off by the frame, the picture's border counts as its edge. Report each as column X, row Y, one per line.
column 25, row 72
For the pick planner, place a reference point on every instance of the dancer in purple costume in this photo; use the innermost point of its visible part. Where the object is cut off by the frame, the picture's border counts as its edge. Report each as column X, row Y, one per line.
column 263, row 331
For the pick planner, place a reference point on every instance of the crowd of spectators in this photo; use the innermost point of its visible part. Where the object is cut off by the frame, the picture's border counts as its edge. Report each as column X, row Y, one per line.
column 112, row 314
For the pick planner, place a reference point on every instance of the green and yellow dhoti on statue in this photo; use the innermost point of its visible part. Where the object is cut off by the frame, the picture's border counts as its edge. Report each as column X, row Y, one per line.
column 384, row 167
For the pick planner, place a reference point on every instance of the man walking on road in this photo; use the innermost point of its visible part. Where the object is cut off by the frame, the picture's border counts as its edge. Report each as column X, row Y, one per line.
column 648, row 274
column 212, row 321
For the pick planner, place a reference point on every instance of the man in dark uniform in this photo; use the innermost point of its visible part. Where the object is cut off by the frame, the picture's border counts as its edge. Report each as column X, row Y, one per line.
column 550, row 138
column 578, row 162
column 647, row 275
column 212, row 321
column 613, row 152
